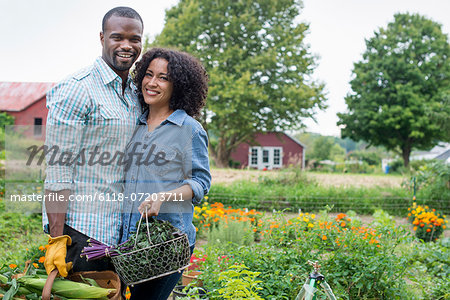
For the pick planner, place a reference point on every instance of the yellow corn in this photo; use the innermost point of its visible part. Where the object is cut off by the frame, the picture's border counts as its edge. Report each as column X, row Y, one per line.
column 67, row 288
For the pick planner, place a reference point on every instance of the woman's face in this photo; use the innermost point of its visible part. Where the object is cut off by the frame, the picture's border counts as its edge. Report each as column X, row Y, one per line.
column 156, row 86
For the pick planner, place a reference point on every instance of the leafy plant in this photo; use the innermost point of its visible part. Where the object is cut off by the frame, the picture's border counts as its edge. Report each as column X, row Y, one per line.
column 383, row 219
column 239, row 282
column 428, row 223
column 231, row 231
column 430, row 268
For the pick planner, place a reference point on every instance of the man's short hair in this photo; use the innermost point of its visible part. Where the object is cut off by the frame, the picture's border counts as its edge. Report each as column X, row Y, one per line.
column 122, row 11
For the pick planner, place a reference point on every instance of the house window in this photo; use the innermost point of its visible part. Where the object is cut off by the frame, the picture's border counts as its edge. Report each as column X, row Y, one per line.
column 265, row 156
column 254, row 157
column 37, row 126
column 277, row 157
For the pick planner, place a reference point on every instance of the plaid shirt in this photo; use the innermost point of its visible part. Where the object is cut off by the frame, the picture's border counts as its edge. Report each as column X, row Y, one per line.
column 88, row 112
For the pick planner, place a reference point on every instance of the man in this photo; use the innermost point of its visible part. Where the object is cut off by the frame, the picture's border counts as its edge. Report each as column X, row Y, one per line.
column 91, row 116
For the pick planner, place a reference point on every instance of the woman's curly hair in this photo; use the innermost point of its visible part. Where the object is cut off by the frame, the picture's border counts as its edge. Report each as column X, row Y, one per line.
column 189, row 78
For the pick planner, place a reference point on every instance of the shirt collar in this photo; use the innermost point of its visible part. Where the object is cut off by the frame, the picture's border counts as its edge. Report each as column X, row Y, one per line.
column 106, row 73
column 177, row 117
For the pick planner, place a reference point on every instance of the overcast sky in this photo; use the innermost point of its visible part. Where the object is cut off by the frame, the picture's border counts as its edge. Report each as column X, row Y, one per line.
column 45, row 40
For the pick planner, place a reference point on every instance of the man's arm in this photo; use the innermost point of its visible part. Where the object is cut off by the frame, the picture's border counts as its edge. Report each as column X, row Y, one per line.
column 56, row 211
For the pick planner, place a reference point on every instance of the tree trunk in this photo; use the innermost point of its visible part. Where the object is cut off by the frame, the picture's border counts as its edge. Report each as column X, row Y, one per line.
column 406, row 151
column 222, row 154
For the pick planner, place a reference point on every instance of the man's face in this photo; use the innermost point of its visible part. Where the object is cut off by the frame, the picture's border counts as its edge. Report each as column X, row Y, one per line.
column 122, row 43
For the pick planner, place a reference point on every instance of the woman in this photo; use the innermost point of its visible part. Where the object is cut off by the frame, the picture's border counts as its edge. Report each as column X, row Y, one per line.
column 170, row 167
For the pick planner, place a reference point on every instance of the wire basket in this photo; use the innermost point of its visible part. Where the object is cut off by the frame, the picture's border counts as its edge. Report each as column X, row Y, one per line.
column 153, row 262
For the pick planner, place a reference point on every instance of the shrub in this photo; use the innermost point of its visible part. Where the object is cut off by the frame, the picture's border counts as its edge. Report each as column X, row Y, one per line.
column 433, row 182
column 428, row 224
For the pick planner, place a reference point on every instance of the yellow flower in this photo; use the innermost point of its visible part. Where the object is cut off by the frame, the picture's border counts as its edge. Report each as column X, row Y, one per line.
column 313, row 216
column 206, row 198
column 310, row 225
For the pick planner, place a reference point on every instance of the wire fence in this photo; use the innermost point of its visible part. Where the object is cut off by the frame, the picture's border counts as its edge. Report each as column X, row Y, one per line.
column 309, row 203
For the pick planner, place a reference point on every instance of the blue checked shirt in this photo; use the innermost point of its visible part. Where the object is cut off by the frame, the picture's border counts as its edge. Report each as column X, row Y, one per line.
column 88, row 114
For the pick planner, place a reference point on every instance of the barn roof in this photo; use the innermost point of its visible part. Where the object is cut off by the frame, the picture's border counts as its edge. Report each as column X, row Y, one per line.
column 16, row 96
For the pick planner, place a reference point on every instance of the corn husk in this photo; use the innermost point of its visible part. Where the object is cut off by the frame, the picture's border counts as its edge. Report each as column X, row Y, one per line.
column 66, row 288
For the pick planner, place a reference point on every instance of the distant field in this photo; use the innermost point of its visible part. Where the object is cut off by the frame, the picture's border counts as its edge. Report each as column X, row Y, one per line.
column 226, row 176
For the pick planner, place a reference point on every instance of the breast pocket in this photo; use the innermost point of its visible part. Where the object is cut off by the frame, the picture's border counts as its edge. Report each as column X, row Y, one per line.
column 162, row 160
column 110, row 125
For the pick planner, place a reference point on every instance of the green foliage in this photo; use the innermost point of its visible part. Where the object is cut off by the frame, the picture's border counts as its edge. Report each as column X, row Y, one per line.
column 359, row 263
column 19, row 232
column 383, row 219
column 258, row 49
column 430, row 269
column 296, row 190
column 362, row 271
column 235, row 232
column 239, row 282
column 400, row 89
column 397, row 167
column 433, row 181
column 372, row 158
column 321, row 148
column 358, row 167
column 5, row 120
column 432, row 185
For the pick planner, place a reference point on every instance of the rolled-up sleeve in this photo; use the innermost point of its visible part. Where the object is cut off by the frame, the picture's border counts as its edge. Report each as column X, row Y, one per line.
column 66, row 103
column 200, row 175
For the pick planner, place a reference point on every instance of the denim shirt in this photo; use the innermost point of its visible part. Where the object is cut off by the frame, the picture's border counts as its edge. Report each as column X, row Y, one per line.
column 172, row 155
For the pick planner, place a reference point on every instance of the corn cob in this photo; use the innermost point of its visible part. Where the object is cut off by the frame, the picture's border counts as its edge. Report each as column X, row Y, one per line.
column 67, row 288
column 3, row 279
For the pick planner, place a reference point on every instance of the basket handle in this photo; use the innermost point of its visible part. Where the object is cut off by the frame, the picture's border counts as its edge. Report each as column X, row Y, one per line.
column 47, row 290
column 139, row 225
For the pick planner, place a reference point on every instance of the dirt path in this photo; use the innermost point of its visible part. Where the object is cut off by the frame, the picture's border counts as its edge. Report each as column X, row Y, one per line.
column 227, row 176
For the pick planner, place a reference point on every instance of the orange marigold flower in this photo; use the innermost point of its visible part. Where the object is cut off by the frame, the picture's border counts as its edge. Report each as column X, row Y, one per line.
column 324, row 238
column 13, row 266
column 343, row 224
column 41, row 259
column 254, row 229
column 340, row 216
column 428, row 230
column 36, row 265
column 422, row 224
column 42, row 248
column 415, row 228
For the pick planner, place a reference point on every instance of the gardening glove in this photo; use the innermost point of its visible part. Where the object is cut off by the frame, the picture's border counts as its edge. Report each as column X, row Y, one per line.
column 55, row 257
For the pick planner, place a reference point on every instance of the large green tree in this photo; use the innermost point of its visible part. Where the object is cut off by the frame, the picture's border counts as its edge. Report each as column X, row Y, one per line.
column 401, row 87
column 259, row 67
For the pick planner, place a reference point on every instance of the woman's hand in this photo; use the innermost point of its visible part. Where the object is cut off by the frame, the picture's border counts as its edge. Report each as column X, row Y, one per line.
column 152, row 204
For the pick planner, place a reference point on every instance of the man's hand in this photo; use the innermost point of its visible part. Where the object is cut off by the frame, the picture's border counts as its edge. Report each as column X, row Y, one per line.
column 151, row 205
column 55, row 257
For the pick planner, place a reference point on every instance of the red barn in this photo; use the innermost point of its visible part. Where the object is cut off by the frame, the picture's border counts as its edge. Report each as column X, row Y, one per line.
column 271, row 150
column 25, row 101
